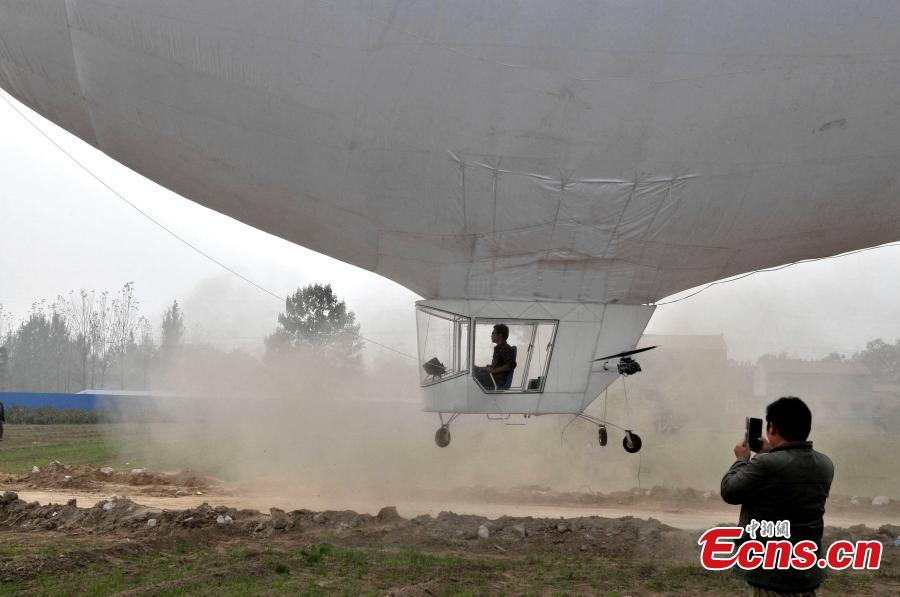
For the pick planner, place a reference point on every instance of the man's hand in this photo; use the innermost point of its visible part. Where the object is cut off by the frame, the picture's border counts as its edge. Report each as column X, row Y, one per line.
column 489, row 369
column 741, row 450
column 765, row 445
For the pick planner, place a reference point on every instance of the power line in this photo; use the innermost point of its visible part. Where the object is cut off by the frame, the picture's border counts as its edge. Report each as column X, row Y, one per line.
column 775, row 269
column 167, row 230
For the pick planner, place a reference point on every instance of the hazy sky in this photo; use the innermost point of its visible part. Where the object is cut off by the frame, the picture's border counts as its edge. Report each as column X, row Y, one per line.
column 61, row 229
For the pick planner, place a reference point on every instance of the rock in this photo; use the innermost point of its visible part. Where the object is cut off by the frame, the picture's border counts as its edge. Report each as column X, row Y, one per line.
column 204, row 509
column 562, row 528
column 141, row 513
column 138, row 471
column 520, row 530
column 151, row 523
column 881, row 500
column 35, row 469
column 8, row 497
column 67, row 478
column 854, row 501
column 181, row 493
column 107, row 470
column 72, row 502
column 54, row 464
column 223, row 519
column 483, row 532
column 280, row 520
column 109, row 506
column 388, row 514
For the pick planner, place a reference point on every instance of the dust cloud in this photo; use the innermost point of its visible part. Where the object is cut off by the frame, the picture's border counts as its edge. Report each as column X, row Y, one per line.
column 357, row 437
column 312, row 428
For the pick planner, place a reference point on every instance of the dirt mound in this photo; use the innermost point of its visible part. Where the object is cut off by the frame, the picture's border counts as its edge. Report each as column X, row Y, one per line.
column 385, row 553
column 626, row 537
column 60, row 476
column 623, row 537
column 620, row 537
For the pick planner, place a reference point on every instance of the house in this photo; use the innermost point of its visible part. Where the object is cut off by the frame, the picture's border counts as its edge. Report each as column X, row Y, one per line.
column 833, row 389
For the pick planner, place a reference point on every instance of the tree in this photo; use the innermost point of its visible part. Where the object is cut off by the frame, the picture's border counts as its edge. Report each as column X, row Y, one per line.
column 81, row 317
column 144, row 352
column 6, row 327
column 61, row 346
column 39, row 351
column 101, row 340
column 125, row 324
column 317, row 321
column 172, row 330
column 882, row 359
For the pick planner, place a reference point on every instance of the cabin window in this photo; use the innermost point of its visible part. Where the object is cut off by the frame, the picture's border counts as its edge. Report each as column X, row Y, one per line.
column 443, row 345
column 532, row 341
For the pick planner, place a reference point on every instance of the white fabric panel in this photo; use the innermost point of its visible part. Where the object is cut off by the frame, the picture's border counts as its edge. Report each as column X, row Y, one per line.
column 596, row 151
column 37, row 65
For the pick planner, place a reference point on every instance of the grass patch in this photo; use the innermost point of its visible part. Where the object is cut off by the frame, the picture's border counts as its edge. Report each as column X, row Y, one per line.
column 78, row 566
column 25, row 446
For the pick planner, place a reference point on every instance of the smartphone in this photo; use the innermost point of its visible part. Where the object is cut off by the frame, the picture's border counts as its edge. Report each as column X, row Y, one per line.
column 753, row 433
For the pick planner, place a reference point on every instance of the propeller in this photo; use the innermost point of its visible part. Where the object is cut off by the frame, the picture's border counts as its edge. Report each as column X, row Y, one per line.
column 627, row 353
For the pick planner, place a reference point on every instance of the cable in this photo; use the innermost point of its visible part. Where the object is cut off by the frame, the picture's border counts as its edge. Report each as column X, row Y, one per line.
column 775, row 269
column 136, row 208
column 627, row 408
column 384, row 346
column 605, row 401
column 163, row 227
column 640, row 462
column 566, row 426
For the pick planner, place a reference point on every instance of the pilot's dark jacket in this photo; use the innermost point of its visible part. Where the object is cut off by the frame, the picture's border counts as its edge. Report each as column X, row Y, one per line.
column 503, row 355
column 790, row 482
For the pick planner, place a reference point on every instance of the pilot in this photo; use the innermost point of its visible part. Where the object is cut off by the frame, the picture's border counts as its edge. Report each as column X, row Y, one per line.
column 504, row 361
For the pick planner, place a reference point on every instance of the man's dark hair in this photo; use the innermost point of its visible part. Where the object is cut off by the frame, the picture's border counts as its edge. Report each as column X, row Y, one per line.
column 791, row 417
column 501, row 329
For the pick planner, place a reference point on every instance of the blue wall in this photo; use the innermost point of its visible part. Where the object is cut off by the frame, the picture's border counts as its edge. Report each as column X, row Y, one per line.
column 62, row 401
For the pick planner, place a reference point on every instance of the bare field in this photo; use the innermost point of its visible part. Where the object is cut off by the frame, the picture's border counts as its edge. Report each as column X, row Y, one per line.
column 71, row 530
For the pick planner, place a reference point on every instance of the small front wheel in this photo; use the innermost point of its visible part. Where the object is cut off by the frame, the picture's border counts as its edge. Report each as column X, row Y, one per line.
column 604, row 435
column 442, row 437
column 631, row 442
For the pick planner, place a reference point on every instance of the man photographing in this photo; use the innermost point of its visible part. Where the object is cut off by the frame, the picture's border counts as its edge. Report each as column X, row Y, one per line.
column 786, row 481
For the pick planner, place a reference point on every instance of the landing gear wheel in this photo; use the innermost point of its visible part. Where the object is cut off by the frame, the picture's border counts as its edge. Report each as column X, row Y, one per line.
column 604, row 435
column 631, row 442
column 442, row 437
